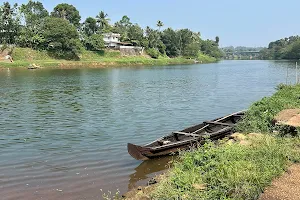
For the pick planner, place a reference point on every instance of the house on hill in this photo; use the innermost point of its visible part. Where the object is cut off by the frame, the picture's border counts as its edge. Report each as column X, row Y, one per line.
column 112, row 40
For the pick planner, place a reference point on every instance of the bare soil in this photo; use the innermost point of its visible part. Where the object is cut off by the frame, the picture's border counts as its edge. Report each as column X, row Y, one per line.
column 286, row 187
column 289, row 117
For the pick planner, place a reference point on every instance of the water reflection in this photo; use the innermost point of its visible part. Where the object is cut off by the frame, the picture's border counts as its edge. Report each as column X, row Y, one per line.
column 68, row 129
column 147, row 170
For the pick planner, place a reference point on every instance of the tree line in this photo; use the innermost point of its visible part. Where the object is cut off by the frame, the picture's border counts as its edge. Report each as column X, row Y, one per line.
column 285, row 48
column 63, row 35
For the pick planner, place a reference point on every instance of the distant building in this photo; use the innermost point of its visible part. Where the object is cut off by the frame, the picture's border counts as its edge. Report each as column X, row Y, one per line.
column 112, row 40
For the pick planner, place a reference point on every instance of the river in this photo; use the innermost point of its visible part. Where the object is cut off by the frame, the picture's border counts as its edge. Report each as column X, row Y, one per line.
column 64, row 132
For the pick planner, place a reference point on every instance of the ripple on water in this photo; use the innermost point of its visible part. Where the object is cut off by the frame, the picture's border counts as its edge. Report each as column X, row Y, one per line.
column 64, row 132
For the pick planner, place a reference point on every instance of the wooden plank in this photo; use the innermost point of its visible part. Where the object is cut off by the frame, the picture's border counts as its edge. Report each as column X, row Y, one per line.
column 218, row 123
column 218, row 120
column 201, row 137
column 226, row 129
column 175, row 144
column 187, row 134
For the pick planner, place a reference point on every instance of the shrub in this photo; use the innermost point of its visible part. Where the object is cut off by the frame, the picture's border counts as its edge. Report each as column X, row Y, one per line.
column 94, row 42
column 154, row 53
column 61, row 38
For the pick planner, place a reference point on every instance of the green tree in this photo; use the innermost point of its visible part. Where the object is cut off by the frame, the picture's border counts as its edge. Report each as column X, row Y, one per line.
column 94, row 42
column 210, row 48
column 124, row 23
column 217, row 40
column 33, row 12
column 153, row 37
column 68, row 12
column 103, row 21
column 154, row 53
column 90, row 26
column 159, row 24
column 122, row 27
column 135, row 34
column 9, row 23
column 171, row 41
column 192, row 50
column 185, row 39
column 61, row 38
column 31, row 34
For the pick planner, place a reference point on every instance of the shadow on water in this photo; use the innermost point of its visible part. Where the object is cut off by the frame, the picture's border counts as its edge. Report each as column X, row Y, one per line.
column 149, row 169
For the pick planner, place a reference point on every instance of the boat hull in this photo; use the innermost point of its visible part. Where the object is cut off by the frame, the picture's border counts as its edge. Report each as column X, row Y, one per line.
column 186, row 139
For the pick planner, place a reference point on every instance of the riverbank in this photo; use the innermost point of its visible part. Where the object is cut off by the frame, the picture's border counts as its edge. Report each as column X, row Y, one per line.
column 23, row 57
column 240, row 168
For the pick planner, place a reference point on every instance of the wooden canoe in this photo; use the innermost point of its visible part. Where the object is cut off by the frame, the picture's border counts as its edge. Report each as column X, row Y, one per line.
column 182, row 140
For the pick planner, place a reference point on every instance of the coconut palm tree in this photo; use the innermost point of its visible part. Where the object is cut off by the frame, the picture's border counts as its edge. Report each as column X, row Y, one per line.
column 103, row 20
column 217, row 40
column 159, row 24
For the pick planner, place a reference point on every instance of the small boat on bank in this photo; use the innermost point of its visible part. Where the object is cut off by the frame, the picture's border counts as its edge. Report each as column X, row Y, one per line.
column 183, row 140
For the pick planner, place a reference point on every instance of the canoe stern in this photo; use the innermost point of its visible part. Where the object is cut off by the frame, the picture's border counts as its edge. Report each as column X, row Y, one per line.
column 136, row 151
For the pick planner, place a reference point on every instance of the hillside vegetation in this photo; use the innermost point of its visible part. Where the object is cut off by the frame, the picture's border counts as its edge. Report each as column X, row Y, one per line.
column 23, row 57
column 286, row 48
column 59, row 34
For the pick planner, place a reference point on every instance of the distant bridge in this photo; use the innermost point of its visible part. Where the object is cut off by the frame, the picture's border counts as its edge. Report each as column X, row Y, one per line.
column 242, row 52
column 242, row 55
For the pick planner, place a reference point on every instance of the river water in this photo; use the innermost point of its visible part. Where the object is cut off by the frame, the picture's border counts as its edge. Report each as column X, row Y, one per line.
column 64, row 132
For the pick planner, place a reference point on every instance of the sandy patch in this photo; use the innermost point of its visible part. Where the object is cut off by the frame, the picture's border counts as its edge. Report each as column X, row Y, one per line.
column 286, row 187
column 289, row 117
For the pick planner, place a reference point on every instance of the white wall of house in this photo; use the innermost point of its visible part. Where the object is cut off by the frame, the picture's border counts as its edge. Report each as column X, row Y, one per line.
column 111, row 39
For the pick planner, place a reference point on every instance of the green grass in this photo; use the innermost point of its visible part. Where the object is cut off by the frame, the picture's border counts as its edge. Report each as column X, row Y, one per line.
column 27, row 54
column 260, row 115
column 205, row 58
column 23, row 57
column 229, row 171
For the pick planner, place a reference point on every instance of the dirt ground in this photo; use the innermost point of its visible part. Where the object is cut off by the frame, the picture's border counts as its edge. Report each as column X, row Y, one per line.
column 286, row 187
column 289, row 117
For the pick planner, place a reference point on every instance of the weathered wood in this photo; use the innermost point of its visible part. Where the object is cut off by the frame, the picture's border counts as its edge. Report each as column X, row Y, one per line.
column 218, row 123
column 181, row 140
column 187, row 134
column 220, row 119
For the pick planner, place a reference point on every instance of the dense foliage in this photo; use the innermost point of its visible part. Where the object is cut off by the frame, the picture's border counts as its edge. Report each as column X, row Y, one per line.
column 286, row 48
column 61, row 42
column 32, row 26
column 9, row 23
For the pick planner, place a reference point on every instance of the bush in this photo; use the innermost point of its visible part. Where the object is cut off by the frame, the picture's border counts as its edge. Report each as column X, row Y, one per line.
column 61, row 38
column 154, row 53
column 94, row 42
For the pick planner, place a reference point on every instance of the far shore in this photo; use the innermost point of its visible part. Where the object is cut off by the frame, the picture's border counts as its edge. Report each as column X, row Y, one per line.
column 25, row 57
column 97, row 64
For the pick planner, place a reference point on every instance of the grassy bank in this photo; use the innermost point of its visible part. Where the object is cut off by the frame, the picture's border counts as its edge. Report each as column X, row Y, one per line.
column 229, row 171
column 237, row 170
column 260, row 115
column 23, row 57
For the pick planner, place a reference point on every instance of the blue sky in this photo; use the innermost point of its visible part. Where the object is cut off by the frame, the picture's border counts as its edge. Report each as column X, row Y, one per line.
column 236, row 22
